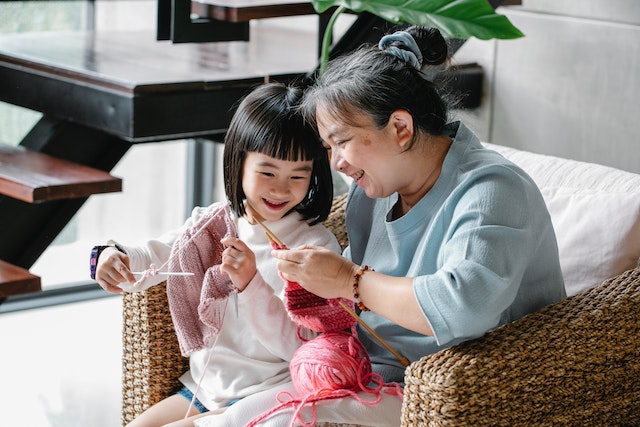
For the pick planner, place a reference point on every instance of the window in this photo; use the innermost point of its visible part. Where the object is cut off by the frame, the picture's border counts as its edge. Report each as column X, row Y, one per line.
column 154, row 174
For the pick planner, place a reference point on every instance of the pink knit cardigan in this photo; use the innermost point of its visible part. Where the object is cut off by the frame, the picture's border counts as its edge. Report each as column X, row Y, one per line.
column 197, row 303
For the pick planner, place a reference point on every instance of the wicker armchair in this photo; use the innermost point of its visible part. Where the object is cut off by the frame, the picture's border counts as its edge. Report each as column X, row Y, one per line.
column 574, row 363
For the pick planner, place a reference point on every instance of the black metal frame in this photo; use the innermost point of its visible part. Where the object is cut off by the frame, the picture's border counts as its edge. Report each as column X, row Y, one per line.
column 175, row 23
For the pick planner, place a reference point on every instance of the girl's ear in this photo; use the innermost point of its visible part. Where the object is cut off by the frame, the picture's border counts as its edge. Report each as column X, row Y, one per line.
column 402, row 126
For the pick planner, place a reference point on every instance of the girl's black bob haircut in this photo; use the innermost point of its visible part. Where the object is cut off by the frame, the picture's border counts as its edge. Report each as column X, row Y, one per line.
column 268, row 121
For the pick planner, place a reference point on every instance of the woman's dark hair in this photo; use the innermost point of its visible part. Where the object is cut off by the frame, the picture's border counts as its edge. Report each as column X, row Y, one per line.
column 377, row 82
column 268, row 121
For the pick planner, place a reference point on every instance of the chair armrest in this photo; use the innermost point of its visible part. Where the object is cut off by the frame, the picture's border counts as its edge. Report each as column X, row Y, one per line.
column 572, row 363
column 151, row 359
column 335, row 220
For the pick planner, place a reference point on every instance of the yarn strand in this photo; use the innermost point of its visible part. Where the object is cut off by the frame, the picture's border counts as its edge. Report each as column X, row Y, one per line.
column 152, row 270
column 333, row 365
column 209, row 357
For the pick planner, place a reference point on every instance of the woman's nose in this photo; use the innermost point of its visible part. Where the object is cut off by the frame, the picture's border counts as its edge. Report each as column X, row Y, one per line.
column 337, row 162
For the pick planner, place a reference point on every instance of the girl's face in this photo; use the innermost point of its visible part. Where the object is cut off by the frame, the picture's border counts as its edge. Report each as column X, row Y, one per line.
column 274, row 187
column 372, row 157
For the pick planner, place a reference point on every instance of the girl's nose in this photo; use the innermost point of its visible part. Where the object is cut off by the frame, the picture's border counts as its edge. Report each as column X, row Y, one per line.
column 280, row 186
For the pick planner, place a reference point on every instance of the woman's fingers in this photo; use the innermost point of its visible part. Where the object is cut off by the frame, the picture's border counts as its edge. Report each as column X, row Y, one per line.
column 319, row 270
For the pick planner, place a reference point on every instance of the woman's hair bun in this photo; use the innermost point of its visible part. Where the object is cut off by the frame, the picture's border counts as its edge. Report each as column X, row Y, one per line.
column 432, row 44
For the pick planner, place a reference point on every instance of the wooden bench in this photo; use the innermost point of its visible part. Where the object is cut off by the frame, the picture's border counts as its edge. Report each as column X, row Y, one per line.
column 16, row 280
column 34, row 177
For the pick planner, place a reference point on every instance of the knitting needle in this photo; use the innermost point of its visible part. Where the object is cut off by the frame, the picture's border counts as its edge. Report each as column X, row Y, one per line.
column 272, row 237
column 401, row 358
column 405, row 362
column 166, row 273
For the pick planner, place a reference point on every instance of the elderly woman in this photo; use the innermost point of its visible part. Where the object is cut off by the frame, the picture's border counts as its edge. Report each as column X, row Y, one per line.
column 448, row 239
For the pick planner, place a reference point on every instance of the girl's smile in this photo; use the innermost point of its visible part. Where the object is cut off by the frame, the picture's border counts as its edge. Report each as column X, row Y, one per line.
column 273, row 187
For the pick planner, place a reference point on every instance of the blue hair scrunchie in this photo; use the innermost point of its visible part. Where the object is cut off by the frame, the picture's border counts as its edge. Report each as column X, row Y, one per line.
column 412, row 56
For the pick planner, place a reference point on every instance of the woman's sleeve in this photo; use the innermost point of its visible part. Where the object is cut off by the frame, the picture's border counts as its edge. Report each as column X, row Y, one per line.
column 493, row 233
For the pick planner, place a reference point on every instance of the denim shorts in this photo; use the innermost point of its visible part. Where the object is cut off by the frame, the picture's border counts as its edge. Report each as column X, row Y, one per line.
column 187, row 394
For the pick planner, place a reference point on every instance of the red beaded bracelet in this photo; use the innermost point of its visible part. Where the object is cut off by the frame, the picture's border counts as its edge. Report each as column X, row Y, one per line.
column 356, row 294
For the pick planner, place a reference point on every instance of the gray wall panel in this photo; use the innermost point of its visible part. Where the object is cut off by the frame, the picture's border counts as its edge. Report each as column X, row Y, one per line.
column 571, row 88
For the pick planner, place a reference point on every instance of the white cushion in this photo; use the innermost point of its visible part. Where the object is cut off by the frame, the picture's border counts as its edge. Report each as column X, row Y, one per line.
column 595, row 212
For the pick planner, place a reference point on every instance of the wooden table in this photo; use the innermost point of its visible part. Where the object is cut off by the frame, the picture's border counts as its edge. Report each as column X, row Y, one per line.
column 102, row 92
column 131, row 86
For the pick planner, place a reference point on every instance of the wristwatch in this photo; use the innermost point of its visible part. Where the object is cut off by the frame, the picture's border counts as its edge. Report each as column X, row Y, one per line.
column 95, row 254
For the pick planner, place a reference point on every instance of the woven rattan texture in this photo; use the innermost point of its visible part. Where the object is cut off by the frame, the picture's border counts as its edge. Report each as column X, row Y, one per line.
column 335, row 220
column 151, row 359
column 575, row 363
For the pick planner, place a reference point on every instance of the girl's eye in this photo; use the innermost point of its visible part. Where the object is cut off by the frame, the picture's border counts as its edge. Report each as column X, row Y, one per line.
column 340, row 143
column 267, row 173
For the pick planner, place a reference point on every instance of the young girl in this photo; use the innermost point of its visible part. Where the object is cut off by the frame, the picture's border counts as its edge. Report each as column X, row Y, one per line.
column 275, row 170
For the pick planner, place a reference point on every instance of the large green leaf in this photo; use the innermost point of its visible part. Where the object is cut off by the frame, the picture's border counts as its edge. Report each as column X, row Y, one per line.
column 455, row 18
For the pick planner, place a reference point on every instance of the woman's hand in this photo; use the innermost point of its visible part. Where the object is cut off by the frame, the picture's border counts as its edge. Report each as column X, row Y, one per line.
column 238, row 261
column 112, row 269
column 318, row 270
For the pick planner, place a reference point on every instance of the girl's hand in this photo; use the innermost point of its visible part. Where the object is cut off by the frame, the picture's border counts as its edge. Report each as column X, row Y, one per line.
column 112, row 269
column 318, row 270
column 238, row 261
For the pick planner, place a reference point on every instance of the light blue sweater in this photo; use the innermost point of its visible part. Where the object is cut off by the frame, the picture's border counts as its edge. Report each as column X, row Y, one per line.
column 480, row 246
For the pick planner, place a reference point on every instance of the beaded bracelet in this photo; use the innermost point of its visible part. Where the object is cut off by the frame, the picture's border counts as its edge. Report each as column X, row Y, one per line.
column 356, row 294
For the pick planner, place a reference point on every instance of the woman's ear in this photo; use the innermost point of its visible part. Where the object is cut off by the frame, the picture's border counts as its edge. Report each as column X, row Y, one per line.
column 401, row 122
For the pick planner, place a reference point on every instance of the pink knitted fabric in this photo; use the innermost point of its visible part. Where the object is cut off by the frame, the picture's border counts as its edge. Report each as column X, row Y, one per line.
column 197, row 302
column 316, row 313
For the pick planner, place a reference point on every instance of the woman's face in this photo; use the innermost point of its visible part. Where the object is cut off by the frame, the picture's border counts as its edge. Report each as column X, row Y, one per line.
column 370, row 156
column 274, row 187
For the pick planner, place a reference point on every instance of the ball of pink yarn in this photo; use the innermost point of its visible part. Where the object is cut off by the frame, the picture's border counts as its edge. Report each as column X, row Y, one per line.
column 331, row 361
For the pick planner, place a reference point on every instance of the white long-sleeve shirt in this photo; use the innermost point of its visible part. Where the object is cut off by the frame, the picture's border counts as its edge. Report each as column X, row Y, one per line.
column 256, row 343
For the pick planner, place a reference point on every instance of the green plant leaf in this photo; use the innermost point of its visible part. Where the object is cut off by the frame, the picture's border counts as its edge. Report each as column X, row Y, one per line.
column 454, row 18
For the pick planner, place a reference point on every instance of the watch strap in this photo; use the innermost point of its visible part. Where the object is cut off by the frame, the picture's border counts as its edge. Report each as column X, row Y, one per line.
column 95, row 254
